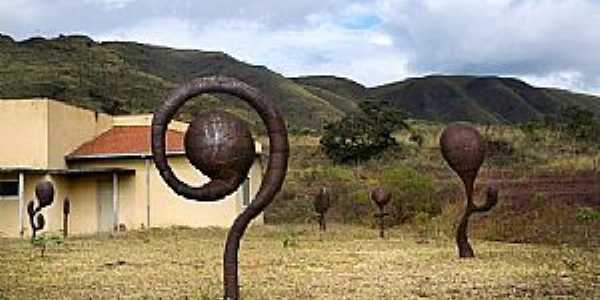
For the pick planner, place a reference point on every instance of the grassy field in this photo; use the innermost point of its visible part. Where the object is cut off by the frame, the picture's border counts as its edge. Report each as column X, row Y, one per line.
column 532, row 245
column 295, row 262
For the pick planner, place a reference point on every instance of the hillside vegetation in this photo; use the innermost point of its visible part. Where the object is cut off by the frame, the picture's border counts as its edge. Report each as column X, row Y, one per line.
column 128, row 77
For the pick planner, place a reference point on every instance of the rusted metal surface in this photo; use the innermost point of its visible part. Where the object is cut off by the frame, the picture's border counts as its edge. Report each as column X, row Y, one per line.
column 44, row 192
column 381, row 198
column 66, row 212
column 220, row 145
column 464, row 149
column 322, row 204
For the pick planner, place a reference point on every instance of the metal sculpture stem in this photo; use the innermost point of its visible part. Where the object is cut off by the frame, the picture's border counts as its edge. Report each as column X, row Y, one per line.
column 66, row 212
column 35, row 226
column 219, row 188
column 321, row 205
column 270, row 186
column 381, row 217
column 462, row 239
column 322, row 223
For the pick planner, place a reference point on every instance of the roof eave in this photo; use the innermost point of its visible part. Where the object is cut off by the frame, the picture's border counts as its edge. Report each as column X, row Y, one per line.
column 75, row 157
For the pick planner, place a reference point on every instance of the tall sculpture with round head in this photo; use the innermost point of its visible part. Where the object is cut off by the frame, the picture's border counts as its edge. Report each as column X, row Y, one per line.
column 44, row 192
column 381, row 198
column 463, row 148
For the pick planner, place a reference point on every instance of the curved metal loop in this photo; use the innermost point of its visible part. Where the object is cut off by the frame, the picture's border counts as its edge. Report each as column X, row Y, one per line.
column 219, row 188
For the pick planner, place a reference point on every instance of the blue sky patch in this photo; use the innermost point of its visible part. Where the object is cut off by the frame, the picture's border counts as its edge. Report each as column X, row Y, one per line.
column 362, row 22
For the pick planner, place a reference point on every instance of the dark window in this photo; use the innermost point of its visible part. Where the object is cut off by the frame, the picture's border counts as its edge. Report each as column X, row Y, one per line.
column 9, row 188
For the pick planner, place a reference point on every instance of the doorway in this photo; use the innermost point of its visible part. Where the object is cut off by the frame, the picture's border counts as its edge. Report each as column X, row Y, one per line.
column 104, row 196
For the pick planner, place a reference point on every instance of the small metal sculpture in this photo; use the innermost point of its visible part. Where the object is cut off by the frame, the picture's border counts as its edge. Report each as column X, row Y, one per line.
column 322, row 205
column 220, row 146
column 463, row 148
column 381, row 199
column 44, row 192
column 66, row 212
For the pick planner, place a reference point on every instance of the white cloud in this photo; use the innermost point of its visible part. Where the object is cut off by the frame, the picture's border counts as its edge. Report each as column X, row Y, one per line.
column 111, row 4
column 19, row 13
column 324, row 48
column 571, row 80
column 534, row 38
column 371, row 41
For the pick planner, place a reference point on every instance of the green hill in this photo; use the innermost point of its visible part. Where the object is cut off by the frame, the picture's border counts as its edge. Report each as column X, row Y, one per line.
column 487, row 99
column 132, row 78
column 128, row 77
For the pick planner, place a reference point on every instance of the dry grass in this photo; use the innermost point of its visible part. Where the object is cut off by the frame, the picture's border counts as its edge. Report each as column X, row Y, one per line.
column 348, row 262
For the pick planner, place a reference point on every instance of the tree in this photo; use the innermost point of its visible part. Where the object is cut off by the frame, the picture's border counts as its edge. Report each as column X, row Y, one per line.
column 384, row 114
column 362, row 136
column 580, row 124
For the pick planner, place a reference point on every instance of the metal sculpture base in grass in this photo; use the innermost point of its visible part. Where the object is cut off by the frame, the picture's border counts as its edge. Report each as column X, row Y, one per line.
column 322, row 205
column 227, row 142
column 66, row 212
column 463, row 148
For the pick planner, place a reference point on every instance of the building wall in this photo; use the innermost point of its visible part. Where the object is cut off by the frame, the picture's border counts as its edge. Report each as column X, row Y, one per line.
column 38, row 133
column 146, row 120
column 9, row 211
column 82, row 195
column 166, row 207
column 24, row 133
column 68, row 128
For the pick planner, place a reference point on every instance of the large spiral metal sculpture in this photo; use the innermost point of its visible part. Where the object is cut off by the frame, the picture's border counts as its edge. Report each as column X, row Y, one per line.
column 220, row 145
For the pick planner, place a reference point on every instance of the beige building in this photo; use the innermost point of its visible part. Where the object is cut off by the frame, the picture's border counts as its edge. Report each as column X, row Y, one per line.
column 104, row 166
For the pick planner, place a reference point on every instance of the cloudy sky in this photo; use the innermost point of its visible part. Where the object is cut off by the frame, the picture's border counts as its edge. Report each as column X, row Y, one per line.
column 546, row 42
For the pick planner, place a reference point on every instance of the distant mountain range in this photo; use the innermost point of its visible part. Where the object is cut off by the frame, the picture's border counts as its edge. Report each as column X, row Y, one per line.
column 128, row 77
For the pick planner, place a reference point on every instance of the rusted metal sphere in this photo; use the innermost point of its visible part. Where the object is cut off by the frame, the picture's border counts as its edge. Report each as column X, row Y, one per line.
column 220, row 145
column 463, row 148
column 44, row 192
column 380, row 197
column 321, row 202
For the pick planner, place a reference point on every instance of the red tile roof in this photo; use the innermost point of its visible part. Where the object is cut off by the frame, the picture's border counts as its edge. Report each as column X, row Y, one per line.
column 127, row 140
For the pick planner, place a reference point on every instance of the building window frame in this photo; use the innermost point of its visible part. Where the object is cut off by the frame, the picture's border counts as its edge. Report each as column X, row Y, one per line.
column 12, row 191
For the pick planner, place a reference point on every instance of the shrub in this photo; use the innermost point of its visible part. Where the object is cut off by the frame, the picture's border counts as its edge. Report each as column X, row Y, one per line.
column 533, row 131
column 413, row 193
column 43, row 241
column 498, row 147
column 363, row 136
column 354, row 139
